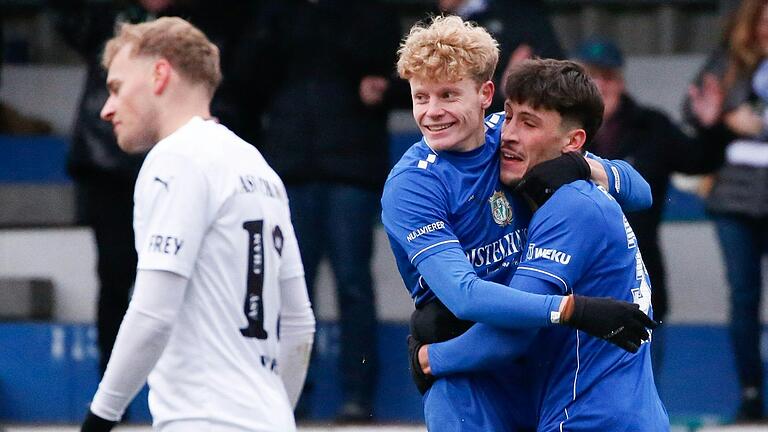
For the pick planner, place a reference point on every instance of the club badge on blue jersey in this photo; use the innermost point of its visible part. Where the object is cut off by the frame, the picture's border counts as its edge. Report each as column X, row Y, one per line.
column 501, row 209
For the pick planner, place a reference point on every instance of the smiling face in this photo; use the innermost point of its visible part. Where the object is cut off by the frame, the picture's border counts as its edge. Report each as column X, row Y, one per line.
column 530, row 136
column 130, row 106
column 450, row 114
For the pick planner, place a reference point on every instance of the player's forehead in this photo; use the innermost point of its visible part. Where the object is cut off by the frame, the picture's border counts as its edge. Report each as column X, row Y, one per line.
column 423, row 84
column 526, row 109
column 125, row 63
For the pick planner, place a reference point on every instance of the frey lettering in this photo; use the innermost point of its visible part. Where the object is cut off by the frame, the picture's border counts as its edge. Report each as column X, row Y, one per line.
column 167, row 245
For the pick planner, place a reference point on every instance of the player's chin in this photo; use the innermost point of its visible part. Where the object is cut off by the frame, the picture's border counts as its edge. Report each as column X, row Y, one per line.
column 510, row 180
column 511, row 175
column 441, row 142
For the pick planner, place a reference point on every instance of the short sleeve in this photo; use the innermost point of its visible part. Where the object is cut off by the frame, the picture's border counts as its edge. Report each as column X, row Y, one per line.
column 563, row 238
column 172, row 213
column 415, row 215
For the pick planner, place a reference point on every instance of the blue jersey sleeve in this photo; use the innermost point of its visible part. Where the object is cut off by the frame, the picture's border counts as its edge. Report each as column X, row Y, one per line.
column 414, row 215
column 564, row 237
column 484, row 347
column 625, row 184
column 455, row 283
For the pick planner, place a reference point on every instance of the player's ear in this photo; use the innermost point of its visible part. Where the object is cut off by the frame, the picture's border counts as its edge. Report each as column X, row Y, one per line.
column 161, row 75
column 486, row 93
column 576, row 139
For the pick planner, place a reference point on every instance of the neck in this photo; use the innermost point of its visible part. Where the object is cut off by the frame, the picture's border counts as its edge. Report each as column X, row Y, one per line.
column 477, row 140
column 181, row 110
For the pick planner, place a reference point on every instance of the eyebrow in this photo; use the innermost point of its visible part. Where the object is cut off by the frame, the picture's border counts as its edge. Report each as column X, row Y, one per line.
column 112, row 83
column 523, row 113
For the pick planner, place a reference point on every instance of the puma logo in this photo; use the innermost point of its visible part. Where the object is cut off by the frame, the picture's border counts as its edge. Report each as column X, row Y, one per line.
column 163, row 182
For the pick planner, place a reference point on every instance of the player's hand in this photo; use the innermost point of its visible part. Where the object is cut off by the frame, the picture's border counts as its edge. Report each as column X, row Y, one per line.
column 541, row 181
column 423, row 381
column 94, row 423
column 616, row 321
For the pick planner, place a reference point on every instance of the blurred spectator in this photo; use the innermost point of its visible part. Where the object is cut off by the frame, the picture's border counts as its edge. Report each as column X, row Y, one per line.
column 11, row 121
column 331, row 65
column 522, row 28
column 104, row 176
column 738, row 200
column 656, row 147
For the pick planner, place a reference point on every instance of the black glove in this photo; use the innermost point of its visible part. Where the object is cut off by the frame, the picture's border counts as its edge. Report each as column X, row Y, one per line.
column 423, row 381
column 434, row 322
column 541, row 181
column 616, row 321
column 94, row 423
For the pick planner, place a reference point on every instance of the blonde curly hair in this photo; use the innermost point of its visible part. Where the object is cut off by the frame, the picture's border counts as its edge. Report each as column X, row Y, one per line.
column 448, row 49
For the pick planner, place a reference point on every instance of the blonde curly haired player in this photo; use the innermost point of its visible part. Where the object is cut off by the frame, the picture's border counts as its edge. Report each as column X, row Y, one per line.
column 457, row 235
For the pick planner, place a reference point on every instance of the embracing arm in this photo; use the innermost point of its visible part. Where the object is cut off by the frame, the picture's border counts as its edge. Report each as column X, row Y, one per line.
column 484, row 347
column 454, row 281
column 622, row 181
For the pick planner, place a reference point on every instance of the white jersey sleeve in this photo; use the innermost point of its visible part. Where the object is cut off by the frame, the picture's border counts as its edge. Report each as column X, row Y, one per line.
column 171, row 212
column 144, row 332
column 297, row 329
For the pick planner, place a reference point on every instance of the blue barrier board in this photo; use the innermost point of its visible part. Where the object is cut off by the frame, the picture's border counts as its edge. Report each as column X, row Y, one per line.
column 49, row 372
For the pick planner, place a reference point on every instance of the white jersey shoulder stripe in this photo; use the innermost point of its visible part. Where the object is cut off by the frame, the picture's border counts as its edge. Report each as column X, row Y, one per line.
column 432, row 246
column 565, row 284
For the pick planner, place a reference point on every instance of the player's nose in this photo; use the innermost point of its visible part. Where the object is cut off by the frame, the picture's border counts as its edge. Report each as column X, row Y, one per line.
column 435, row 108
column 509, row 133
column 108, row 110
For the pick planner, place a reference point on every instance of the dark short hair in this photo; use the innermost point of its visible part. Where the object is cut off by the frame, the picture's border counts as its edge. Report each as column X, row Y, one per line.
column 558, row 85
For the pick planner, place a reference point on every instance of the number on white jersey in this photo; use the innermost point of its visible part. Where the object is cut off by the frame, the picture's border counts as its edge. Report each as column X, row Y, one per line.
column 254, row 303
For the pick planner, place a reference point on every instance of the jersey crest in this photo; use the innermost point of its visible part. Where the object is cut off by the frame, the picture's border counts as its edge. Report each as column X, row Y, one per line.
column 501, row 209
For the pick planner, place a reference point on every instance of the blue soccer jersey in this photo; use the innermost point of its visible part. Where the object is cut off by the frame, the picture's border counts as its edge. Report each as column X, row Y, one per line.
column 440, row 202
column 435, row 201
column 580, row 242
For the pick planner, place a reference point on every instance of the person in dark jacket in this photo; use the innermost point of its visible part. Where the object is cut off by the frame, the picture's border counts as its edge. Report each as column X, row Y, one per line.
column 328, row 84
column 522, row 28
column 104, row 176
column 656, row 147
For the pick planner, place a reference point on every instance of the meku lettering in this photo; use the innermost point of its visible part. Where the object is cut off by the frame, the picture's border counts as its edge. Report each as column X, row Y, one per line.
column 500, row 249
column 425, row 229
column 167, row 245
column 550, row 254
column 553, row 254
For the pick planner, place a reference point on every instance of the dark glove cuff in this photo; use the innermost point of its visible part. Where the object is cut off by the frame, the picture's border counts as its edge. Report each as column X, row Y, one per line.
column 94, row 423
column 585, row 172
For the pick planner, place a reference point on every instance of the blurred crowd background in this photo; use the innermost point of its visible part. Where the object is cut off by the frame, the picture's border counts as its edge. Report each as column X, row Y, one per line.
column 311, row 83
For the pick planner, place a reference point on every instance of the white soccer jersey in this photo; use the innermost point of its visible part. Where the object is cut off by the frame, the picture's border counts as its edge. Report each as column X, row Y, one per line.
column 208, row 207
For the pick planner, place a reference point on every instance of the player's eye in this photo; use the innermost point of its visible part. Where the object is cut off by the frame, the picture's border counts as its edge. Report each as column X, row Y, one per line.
column 419, row 98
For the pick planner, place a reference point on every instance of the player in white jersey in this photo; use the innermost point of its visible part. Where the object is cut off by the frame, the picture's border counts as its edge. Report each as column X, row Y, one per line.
column 220, row 321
